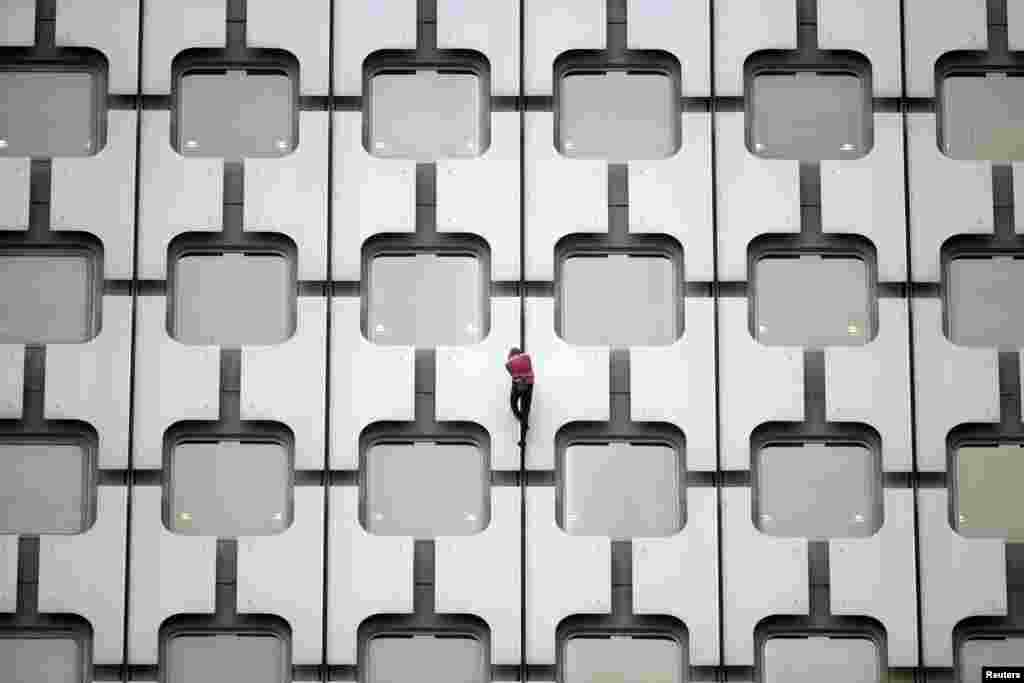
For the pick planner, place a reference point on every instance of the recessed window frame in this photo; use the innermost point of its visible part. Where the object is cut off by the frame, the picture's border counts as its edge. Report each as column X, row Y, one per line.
column 648, row 626
column 826, row 63
column 241, row 625
column 981, row 628
column 407, row 626
column 971, row 247
column 840, row 628
column 55, row 627
column 967, row 435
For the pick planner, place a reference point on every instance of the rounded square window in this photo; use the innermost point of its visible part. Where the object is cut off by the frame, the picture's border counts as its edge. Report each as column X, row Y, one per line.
column 984, row 307
column 405, row 659
column 49, row 295
column 210, row 656
column 621, row 490
column 232, row 298
column 426, row 300
column 47, row 656
column 622, row 659
column 789, row 659
column 402, row 482
column 989, row 650
column 817, row 491
column 813, row 301
column 981, row 115
column 987, row 496
column 619, row 299
column 228, row 488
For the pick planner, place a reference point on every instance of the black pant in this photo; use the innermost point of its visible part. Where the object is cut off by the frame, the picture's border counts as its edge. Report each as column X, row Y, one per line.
column 521, row 398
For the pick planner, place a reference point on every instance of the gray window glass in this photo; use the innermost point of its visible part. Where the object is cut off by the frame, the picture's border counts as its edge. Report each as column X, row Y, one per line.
column 813, row 660
column 235, row 114
column 985, row 307
column 233, row 300
column 988, row 497
column 426, row 300
column 251, row 658
column 228, row 489
column 426, row 659
column 621, row 490
column 426, row 116
column 991, row 650
column 809, row 116
column 47, row 114
column 40, row 660
column 818, row 492
column 425, row 490
column 46, row 299
column 983, row 117
column 45, row 489
column 618, row 116
column 619, row 300
column 812, row 302
column 623, row 660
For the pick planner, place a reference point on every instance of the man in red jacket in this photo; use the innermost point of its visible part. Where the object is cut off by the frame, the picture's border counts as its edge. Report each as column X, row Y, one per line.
column 521, row 369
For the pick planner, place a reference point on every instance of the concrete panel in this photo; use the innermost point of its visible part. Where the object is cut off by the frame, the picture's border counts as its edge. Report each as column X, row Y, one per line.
column 176, row 195
column 8, row 573
column 302, row 28
column 171, row 574
column 110, row 27
column 954, row 385
column 963, row 27
column 479, row 575
column 71, row 580
column 572, row 383
column 866, row 196
column 762, row 576
column 369, row 383
column 271, row 581
column 876, row 577
column 566, row 575
column 960, row 577
column 173, row 27
column 738, row 34
column 370, row 195
column 19, row 27
column 933, row 175
column 289, row 195
column 490, row 28
column 673, row 196
column 91, row 381
column 368, row 575
column 683, row 401
column 14, row 177
column 12, row 374
column 755, row 196
column 286, row 382
column 871, row 384
column 758, row 383
column 873, row 29
column 472, row 384
column 562, row 196
column 364, row 27
column 554, row 28
column 481, row 196
column 173, row 382
column 682, row 28
column 94, row 194
column 678, row 575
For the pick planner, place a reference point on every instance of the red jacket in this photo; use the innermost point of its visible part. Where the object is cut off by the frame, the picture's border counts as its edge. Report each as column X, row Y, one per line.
column 520, row 367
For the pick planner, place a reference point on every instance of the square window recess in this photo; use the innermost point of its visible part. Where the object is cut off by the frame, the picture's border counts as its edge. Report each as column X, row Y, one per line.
column 622, row 659
column 49, row 113
column 228, row 488
column 619, row 300
column 233, row 299
column 981, row 117
column 994, row 651
column 426, row 300
column 984, row 306
column 427, row 115
column 808, row 116
column 812, row 301
column 250, row 657
column 404, row 659
column 621, row 490
column 618, row 115
column 235, row 113
column 817, row 491
column 812, row 660
column 33, row 658
column 49, row 296
column 988, row 501
column 46, row 488
column 401, row 485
